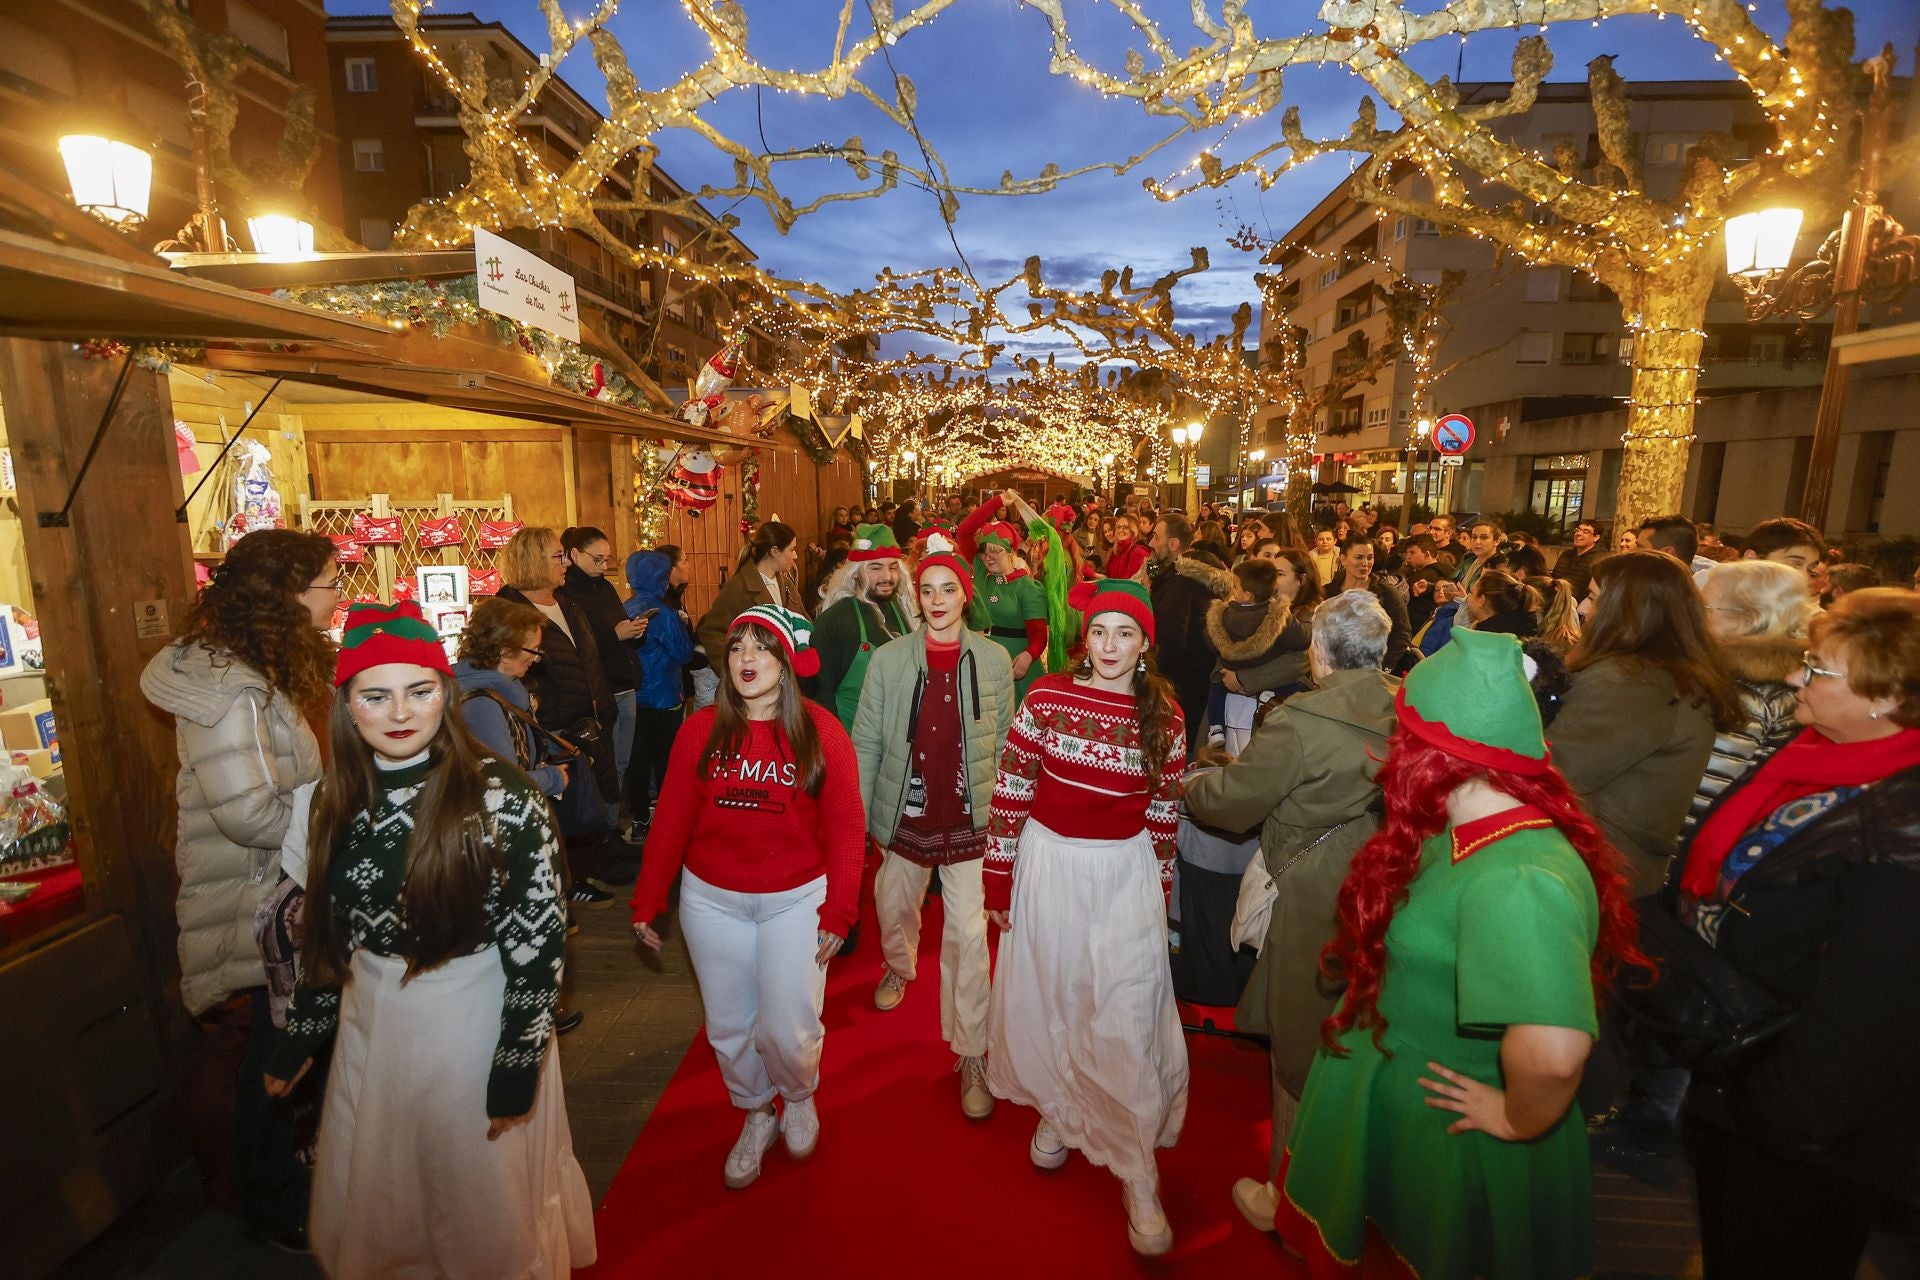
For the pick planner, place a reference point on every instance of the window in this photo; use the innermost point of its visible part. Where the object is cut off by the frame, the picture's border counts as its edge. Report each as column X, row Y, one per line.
column 1422, row 227
column 1330, row 276
column 1377, row 417
column 1668, row 148
column 361, row 77
column 1582, row 287
column 1585, row 348
column 369, row 155
column 376, row 233
column 259, row 33
column 1543, row 284
column 36, row 59
column 1766, row 348
column 1399, row 229
column 1535, row 348
column 1625, row 347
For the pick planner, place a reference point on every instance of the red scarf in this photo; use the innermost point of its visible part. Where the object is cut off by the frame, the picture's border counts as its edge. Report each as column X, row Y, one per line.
column 1810, row 762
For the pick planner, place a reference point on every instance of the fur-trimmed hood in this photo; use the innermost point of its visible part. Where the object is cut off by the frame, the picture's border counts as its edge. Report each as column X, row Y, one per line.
column 1763, row 659
column 1256, row 646
column 1206, row 570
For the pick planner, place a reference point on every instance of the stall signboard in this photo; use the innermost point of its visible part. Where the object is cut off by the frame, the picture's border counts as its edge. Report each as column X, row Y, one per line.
column 525, row 287
column 1203, row 475
column 1453, row 434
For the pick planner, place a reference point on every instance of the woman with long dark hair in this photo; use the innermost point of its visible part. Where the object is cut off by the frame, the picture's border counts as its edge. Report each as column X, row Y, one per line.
column 1082, row 1024
column 1476, row 929
column 762, row 810
column 1636, row 725
column 245, row 682
column 433, row 955
column 764, row 574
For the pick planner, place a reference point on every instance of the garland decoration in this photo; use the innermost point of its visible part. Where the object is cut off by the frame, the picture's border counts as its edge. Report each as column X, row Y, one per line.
column 437, row 307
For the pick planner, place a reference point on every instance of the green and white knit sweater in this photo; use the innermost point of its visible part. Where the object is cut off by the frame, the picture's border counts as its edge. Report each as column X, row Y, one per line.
column 526, row 920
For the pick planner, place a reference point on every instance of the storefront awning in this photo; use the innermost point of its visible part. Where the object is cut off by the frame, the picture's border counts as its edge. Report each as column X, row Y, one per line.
column 59, row 291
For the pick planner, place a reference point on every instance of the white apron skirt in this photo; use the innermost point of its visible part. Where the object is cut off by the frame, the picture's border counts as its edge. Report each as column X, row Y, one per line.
column 405, row 1184
column 1082, row 1024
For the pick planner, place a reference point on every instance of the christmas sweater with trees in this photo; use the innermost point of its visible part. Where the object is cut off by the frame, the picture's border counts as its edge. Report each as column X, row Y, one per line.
column 1073, row 764
column 526, row 921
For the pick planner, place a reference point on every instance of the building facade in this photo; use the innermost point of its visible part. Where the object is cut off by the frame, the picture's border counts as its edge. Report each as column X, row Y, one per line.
column 1539, row 358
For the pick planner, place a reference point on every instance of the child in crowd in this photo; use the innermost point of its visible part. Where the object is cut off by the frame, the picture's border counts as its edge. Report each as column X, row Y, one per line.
column 1262, row 648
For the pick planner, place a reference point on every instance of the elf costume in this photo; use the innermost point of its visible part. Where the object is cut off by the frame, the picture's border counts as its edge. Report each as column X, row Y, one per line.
column 1009, row 607
column 1497, row 929
column 849, row 630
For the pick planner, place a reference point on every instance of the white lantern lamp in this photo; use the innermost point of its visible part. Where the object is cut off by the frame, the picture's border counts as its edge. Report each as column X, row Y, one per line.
column 1194, row 431
column 279, row 235
column 1761, row 243
column 111, row 180
column 1179, row 435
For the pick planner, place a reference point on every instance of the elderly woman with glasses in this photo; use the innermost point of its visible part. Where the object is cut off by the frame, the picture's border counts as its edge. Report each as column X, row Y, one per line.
column 499, row 646
column 1805, row 877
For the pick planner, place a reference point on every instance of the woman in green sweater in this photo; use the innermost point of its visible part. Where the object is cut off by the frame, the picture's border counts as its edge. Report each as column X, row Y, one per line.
column 444, row 1145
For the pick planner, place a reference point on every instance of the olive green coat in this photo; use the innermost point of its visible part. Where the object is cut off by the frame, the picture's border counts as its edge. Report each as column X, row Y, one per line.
column 1634, row 750
column 1306, row 770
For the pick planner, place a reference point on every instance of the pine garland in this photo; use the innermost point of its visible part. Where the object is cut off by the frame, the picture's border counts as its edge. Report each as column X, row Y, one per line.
column 437, row 307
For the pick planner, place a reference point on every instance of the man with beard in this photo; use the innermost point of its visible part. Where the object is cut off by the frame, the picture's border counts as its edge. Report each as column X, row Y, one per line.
column 850, row 629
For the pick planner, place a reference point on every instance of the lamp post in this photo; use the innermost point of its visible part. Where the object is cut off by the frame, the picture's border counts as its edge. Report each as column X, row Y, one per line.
column 1258, row 457
column 112, row 180
column 1871, row 258
column 1187, row 439
column 1422, row 430
column 1109, row 477
column 911, row 458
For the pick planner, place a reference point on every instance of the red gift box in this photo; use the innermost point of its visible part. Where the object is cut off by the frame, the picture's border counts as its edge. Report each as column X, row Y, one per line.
column 377, row 530
column 346, row 550
column 495, row 534
column 444, row 532
column 483, row 582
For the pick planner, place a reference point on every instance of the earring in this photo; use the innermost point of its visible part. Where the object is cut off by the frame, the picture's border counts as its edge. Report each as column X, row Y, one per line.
column 1141, row 667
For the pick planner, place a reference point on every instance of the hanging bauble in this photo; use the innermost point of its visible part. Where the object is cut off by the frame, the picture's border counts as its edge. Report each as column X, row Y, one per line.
column 693, row 481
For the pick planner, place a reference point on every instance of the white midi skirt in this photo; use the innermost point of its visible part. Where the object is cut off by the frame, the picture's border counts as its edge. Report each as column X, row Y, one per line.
column 405, row 1184
column 1082, row 1026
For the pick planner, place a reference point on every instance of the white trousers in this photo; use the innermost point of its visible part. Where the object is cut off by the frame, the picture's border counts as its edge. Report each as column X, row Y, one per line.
column 899, row 887
column 753, row 954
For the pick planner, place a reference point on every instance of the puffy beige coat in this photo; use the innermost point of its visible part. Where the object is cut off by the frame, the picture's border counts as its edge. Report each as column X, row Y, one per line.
column 243, row 750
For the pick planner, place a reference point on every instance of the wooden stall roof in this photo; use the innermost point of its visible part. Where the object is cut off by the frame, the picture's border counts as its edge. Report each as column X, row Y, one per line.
column 463, row 374
column 51, row 290
column 311, row 270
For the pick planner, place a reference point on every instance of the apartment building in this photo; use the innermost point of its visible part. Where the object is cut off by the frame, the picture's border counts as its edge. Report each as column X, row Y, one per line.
column 400, row 142
column 1527, row 346
column 99, row 66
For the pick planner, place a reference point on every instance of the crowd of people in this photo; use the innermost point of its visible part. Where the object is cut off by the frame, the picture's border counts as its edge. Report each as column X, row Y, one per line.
column 1546, row 856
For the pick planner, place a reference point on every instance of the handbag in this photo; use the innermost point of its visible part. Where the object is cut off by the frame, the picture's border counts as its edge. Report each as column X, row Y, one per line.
column 577, row 811
column 1253, row 909
column 1699, row 1009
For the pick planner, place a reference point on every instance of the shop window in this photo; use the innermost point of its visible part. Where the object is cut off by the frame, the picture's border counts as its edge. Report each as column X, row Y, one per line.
column 1534, row 348
column 259, row 33
column 361, row 76
column 369, row 155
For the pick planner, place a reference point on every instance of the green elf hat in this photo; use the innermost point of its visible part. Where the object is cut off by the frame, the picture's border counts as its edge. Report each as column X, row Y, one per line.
column 1000, row 533
column 793, row 630
column 1113, row 595
column 1472, row 700
column 377, row 634
column 874, row 542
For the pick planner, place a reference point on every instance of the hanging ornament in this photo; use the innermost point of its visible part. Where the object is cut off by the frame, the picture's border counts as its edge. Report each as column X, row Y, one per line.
column 710, row 385
column 495, row 534
column 446, row 531
column 693, row 479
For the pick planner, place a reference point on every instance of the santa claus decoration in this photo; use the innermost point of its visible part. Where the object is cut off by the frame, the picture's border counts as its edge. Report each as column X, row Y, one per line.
column 693, row 478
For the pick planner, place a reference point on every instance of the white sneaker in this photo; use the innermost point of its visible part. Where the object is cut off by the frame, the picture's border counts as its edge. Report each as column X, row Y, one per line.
column 1046, row 1150
column 1147, row 1228
column 800, row 1125
column 757, row 1137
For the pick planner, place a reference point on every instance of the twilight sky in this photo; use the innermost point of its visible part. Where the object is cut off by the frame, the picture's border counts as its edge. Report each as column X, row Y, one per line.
column 988, row 104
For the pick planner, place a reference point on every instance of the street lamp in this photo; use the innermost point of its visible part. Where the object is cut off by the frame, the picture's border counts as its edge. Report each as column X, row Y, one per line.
column 1108, row 475
column 1187, row 439
column 112, row 180
column 1871, row 258
column 278, row 235
column 909, row 457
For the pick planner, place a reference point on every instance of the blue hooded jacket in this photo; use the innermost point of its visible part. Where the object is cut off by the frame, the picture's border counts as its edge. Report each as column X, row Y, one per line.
column 667, row 647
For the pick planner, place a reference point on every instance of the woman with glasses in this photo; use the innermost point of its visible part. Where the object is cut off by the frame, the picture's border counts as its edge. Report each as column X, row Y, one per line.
column 499, row 646
column 572, row 698
column 1805, row 877
column 590, row 589
column 243, row 682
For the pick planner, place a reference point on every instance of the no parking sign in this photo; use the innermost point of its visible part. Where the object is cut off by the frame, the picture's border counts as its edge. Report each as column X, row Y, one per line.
column 1453, row 434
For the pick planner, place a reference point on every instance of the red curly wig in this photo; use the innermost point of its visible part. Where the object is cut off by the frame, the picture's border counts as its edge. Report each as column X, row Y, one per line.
column 1416, row 780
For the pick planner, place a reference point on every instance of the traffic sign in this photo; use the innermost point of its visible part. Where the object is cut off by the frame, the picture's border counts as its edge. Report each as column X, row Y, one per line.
column 1453, row 434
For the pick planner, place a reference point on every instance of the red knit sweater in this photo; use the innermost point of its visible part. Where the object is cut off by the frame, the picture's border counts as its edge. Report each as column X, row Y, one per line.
column 752, row 829
column 1072, row 763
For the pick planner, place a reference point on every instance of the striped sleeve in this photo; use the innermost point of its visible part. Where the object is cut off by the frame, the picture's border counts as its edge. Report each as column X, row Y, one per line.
column 1013, row 799
column 1163, row 804
column 530, row 928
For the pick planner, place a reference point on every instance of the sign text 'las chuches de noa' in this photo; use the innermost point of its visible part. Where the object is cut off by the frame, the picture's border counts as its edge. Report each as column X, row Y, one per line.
column 524, row 287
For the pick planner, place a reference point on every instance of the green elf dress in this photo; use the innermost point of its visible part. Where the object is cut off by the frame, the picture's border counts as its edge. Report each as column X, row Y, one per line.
column 1498, row 929
column 1011, row 608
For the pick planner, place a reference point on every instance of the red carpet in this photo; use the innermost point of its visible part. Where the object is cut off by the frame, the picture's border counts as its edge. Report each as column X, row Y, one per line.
column 903, row 1186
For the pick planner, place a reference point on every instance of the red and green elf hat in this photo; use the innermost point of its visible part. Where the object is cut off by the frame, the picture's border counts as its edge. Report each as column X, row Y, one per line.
column 936, row 549
column 874, row 542
column 793, row 630
column 1472, row 699
column 1000, row 533
column 1113, row 595
column 377, row 634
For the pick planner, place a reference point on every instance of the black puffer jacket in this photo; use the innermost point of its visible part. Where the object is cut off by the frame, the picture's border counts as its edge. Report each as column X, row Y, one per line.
column 1827, row 921
column 568, row 686
column 600, row 601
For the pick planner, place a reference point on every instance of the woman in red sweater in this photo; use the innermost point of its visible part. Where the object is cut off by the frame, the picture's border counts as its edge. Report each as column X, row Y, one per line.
column 1081, row 1025
column 761, row 806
